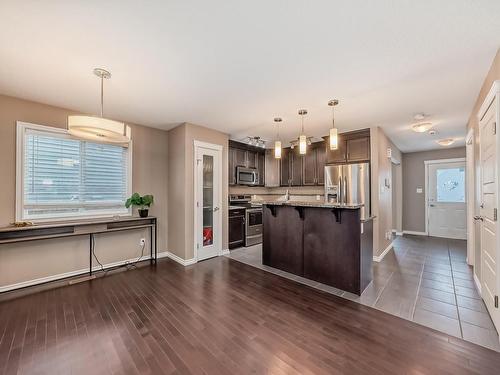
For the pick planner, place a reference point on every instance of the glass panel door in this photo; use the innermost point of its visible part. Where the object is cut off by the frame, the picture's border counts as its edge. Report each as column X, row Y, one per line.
column 208, row 200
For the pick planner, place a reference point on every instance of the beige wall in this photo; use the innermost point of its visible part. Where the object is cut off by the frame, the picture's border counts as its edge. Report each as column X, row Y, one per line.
column 493, row 75
column 181, row 191
column 381, row 169
column 413, row 178
column 40, row 259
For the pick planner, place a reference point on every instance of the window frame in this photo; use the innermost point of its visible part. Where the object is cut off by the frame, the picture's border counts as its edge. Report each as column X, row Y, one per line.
column 21, row 129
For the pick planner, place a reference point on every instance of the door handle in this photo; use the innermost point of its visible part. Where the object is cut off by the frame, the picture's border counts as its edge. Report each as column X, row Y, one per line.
column 216, row 209
column 431, row 205
column 481, row 205
column 478, row 218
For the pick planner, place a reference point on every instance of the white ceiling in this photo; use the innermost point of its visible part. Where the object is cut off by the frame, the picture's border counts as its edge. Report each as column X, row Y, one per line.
column 234, row 65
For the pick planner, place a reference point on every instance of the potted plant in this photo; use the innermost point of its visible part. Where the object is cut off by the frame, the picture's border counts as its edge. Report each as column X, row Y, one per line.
column 142, row 202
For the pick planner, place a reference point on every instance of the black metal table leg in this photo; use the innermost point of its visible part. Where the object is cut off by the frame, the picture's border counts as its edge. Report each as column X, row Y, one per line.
column 151, row 245
column 91, row 251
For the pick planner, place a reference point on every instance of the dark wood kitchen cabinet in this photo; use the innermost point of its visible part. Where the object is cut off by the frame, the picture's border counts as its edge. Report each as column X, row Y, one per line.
column 353, row 147
column 313, row 165
column 291, row 167
column 236, row 228
column 285, row 167
column 358, row 149
column 261, row 167
column 243, row 155
column 320, row 164
column 295, row 167
column 252, row 159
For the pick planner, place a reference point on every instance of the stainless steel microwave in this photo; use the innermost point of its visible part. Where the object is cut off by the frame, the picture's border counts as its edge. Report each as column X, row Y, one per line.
column 247, row 176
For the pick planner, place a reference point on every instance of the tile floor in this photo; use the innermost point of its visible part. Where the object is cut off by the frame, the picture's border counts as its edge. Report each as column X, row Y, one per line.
column 423, row 279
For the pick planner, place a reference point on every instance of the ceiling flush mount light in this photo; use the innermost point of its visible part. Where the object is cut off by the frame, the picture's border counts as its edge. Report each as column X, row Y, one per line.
column 445, row 142
column 99, row 128
column 422, row 127
column 302, row 136
column 334, row 136
column 277, row 143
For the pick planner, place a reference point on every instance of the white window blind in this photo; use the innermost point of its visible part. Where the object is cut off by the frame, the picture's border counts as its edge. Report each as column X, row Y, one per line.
column 65, row 177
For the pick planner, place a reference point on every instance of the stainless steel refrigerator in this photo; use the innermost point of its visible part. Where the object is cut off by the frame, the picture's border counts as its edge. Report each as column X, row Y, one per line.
column 349, row 184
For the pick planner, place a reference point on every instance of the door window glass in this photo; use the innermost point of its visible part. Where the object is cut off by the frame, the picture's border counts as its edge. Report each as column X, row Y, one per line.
column 208, row 200
column 450, row 185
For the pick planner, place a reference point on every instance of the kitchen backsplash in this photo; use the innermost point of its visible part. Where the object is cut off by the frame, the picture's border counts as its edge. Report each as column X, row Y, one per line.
column 305, row 191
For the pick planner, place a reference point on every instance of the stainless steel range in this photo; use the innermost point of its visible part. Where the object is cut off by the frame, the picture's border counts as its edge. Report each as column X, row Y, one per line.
column 253, row 218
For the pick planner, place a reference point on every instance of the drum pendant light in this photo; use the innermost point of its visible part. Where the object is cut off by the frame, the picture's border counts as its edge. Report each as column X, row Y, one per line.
column 96, row 128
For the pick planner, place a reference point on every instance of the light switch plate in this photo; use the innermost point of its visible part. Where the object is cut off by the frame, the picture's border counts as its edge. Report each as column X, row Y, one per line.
column 419, row 190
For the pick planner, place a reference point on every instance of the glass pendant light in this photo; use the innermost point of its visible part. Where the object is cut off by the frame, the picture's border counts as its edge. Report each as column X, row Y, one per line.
column 334, row 136
column 277, row 143
column 302, row 136
column 98, row 128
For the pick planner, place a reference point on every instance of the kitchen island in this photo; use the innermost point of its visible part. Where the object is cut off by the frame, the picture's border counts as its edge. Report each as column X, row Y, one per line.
column 325, row 242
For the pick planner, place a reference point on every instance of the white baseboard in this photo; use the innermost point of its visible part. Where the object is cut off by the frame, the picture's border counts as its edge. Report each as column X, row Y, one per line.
column 46, row 279
column 415, row 233
column 178, row 259
column 478, row 283
column 224, row 252
column 397, row 233
column 381, row 256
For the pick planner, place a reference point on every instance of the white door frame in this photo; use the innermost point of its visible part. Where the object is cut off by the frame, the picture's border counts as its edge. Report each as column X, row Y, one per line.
column 210, row 146
column 492, row 99
column 470, row 186
column 426, row 197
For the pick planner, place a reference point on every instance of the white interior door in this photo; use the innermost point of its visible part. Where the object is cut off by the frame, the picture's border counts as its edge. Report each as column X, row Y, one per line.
column 446, row 213
column 488, row 213
column 208, row 184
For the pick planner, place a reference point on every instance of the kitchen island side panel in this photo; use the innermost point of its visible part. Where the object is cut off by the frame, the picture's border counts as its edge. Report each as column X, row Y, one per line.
column 332, row 248
column 282, row 243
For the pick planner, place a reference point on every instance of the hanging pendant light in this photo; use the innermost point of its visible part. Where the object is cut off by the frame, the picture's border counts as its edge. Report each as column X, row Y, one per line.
column 96, row 128
column 302, row 136
column 277, row 143
column 334, row 136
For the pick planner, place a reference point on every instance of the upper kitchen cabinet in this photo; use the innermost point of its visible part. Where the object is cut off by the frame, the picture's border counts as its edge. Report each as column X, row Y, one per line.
column 261, row 167
column 285, row 166
column 291, row 167
column 272, row 169
column 358, row 149
column 313, row 165
column 303, row 170
column 353, row 147
column 243, row 155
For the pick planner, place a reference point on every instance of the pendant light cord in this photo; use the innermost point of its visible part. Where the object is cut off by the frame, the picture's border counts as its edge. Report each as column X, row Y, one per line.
column 102, row 96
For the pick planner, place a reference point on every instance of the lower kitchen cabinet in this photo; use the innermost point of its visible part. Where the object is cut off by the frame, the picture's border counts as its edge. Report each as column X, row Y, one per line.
column 236, row 228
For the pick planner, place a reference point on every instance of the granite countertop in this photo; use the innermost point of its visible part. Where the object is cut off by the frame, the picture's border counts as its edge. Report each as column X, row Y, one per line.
column 320, row 204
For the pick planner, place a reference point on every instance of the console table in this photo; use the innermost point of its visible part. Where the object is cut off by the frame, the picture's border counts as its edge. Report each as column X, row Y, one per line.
column 82, row 228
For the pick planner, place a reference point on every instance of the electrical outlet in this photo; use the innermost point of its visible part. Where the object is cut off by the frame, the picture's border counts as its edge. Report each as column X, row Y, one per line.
column 142, row 241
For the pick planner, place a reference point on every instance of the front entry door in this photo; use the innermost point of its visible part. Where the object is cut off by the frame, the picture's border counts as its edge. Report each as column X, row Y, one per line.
column 446, row 199
column 208, row 185
column 488, row 212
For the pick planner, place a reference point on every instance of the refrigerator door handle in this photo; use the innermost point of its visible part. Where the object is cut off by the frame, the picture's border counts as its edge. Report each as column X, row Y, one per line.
column 345, row 190
column 340, row 193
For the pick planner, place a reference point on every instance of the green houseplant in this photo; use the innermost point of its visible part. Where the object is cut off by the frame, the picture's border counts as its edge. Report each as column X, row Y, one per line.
column 142, row 202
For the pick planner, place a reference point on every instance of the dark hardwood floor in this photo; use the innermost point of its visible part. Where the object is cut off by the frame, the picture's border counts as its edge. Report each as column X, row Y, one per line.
column 218, row 317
